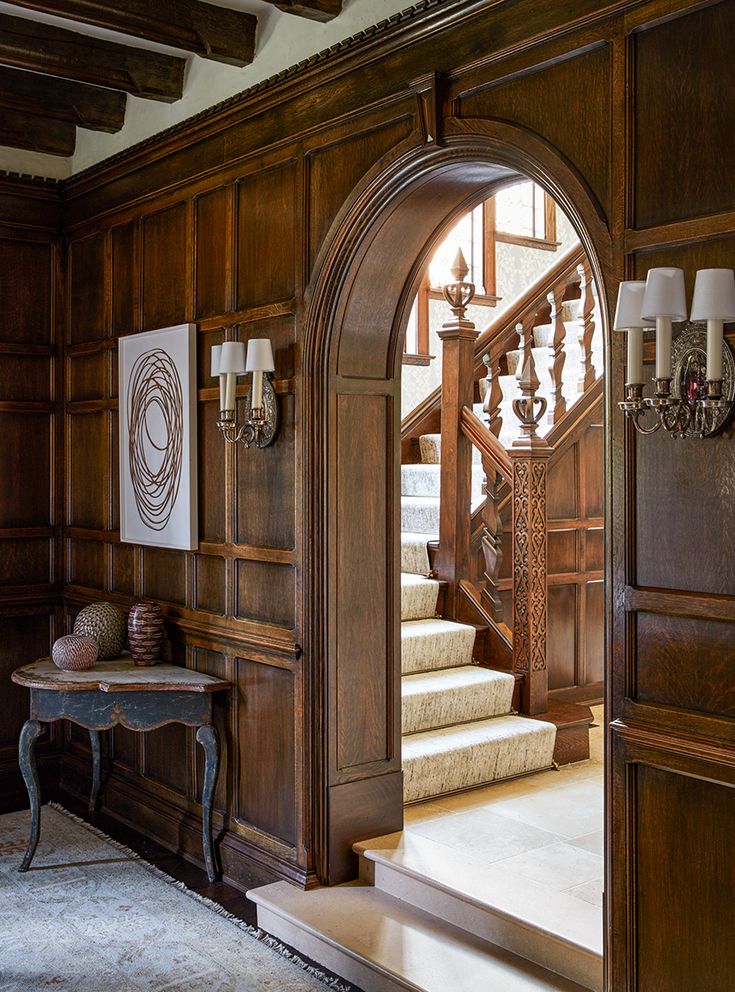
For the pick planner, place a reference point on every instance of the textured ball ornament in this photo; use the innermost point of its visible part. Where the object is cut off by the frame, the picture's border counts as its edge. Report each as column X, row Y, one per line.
column 74, row 652
column 106, row 624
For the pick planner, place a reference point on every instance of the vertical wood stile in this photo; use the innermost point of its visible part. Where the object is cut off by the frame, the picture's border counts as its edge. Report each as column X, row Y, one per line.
column 530, row 454
column 557, row 355
column 585, row 328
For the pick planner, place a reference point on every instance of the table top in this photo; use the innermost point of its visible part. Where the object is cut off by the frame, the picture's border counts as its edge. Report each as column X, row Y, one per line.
column 118, row 675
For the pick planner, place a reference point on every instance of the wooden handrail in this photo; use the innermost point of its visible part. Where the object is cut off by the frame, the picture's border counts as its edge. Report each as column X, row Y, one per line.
column 534, row 297
column 486, row 442
column 500, row 333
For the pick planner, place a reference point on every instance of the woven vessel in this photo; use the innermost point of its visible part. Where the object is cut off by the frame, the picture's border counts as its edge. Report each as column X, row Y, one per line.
column 106, row 624
column 145, row 633
column 74, row 652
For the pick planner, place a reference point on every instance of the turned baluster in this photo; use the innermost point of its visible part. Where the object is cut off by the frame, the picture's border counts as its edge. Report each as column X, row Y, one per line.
column 585, row 328
column 529, row 454
column 492, row 528
column 557, row 356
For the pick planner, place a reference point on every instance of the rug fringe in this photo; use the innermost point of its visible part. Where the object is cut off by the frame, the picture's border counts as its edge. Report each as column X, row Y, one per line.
column 255, row 932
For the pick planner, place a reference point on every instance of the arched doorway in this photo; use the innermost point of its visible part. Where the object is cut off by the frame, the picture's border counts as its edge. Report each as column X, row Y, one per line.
column 363, row 286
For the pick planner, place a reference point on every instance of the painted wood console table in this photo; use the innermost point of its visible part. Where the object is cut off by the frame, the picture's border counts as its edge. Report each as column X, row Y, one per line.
column 112, row 693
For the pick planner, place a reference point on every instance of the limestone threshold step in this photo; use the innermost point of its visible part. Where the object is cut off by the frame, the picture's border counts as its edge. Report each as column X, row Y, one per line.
column 382, row 944
column 553, row 929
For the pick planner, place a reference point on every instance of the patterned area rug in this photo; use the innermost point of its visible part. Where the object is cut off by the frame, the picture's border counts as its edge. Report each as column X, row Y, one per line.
column 91, row 916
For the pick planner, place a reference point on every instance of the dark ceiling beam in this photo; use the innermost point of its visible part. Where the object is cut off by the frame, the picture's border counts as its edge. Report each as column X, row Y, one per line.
column 26, row 44
column 315, row 10
column 37, row 134
column 217, row 33
column 85, row 106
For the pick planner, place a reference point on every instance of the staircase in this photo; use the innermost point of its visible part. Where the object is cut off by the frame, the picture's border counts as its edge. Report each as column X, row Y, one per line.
column 457, row 724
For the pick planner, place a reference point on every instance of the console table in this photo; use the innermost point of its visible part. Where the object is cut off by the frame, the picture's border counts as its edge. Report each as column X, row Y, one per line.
column 111, row 693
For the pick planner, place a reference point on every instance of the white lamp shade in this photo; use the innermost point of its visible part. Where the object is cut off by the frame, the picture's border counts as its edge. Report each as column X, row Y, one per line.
column 260, row 356
column 628, row 310
column 216, row 352
column 232, row 358
column 714, row 295
column 665, row 295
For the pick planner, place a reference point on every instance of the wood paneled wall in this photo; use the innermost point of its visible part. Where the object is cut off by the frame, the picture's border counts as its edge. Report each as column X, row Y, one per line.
column 248, row 220
column 30, row 445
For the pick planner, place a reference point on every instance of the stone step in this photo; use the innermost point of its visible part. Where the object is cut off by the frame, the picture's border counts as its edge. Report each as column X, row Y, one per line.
column 414, row 553
column 438, row 762
column 420, row 514
column 449, row 696
column 418, row 597
column 383, row 944
column 425, row 480
column 552, row 929
column 432, row 644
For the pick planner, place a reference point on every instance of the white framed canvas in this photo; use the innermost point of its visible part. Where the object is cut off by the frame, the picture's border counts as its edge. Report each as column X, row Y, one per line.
column 158, row 458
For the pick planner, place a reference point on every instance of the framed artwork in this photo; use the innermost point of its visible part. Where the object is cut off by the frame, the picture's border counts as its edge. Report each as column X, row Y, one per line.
column 158, row 458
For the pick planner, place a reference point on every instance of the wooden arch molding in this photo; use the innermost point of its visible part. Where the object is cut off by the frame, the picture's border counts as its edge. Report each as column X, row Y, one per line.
column 357, row 307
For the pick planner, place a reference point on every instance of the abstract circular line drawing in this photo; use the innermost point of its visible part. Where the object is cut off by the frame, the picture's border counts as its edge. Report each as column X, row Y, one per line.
column 155, row 436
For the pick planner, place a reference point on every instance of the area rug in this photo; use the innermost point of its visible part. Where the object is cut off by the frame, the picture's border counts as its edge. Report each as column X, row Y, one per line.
column 91, row 916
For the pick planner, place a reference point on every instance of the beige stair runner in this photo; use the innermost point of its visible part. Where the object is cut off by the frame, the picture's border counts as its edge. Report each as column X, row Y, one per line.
column 458, row 729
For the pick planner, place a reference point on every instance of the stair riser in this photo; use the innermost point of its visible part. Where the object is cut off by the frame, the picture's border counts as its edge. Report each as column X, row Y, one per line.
column 333, row 958
column 440, row 774
column 553, row 953
column 419, row 603
column 429, row 654
column 425, row 480
column 431, row 711
column 415, row 558
column 420, row 519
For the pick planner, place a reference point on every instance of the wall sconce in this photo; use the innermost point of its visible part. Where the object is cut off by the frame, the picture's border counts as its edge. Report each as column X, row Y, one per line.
column 229, row 360
column 694, row 394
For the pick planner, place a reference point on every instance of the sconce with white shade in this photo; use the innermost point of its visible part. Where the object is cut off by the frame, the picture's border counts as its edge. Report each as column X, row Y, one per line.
column 230, row 360
column 699, row 363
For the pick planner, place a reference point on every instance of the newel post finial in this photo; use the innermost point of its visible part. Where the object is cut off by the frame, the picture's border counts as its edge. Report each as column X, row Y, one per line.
column 459, row 293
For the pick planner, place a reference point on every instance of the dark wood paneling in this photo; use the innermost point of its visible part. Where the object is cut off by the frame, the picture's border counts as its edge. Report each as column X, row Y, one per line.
column 266, row 488
column 265, row 719
column 679, row 163
column 548, row 100
column 23, row 638
column 26, row 562
column 164, row 575
column 165, row 757
column 362, row 703
column 165, row 250
column 25, row 291
column 123, row 568
column 211, row 584
column 594, row 633
column 562, row 488
column 562, row 636
column 124, row 289
column 25, row 456
column 266, row 592
column 86, row 263
column 692, row 822
column 686, row 663
column 334, row 171
column 87, row 468
column 212, row 474
column 214, row 220
column 86, row 564
column 267, row 224
column 26, row 378
column 86, row 376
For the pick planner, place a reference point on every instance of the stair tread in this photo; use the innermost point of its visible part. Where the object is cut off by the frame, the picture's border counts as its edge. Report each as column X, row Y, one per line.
column 485, row 885
column 468, row 735
column 446, row 679
column 432, row 644
column 399, row 942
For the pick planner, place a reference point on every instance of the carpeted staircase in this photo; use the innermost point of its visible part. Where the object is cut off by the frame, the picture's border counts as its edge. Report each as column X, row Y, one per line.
column 458, row 728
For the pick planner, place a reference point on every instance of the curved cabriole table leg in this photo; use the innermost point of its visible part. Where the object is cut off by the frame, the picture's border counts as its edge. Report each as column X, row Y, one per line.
column 207, row 737
column 94, row 740
column 29, row 733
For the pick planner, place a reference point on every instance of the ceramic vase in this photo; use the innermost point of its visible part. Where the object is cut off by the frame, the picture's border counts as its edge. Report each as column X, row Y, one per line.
column 145, row 633
column 106, row 624
column 75, row 652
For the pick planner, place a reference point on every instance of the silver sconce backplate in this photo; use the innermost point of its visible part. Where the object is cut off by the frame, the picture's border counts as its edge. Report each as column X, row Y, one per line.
column 689, row 363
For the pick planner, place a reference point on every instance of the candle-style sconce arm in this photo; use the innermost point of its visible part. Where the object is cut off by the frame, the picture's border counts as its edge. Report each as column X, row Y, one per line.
column 261, row 424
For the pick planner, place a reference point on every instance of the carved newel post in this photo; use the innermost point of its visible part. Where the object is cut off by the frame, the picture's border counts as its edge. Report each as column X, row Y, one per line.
column 492, row 526
column 458, row 355
column 530, row 454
